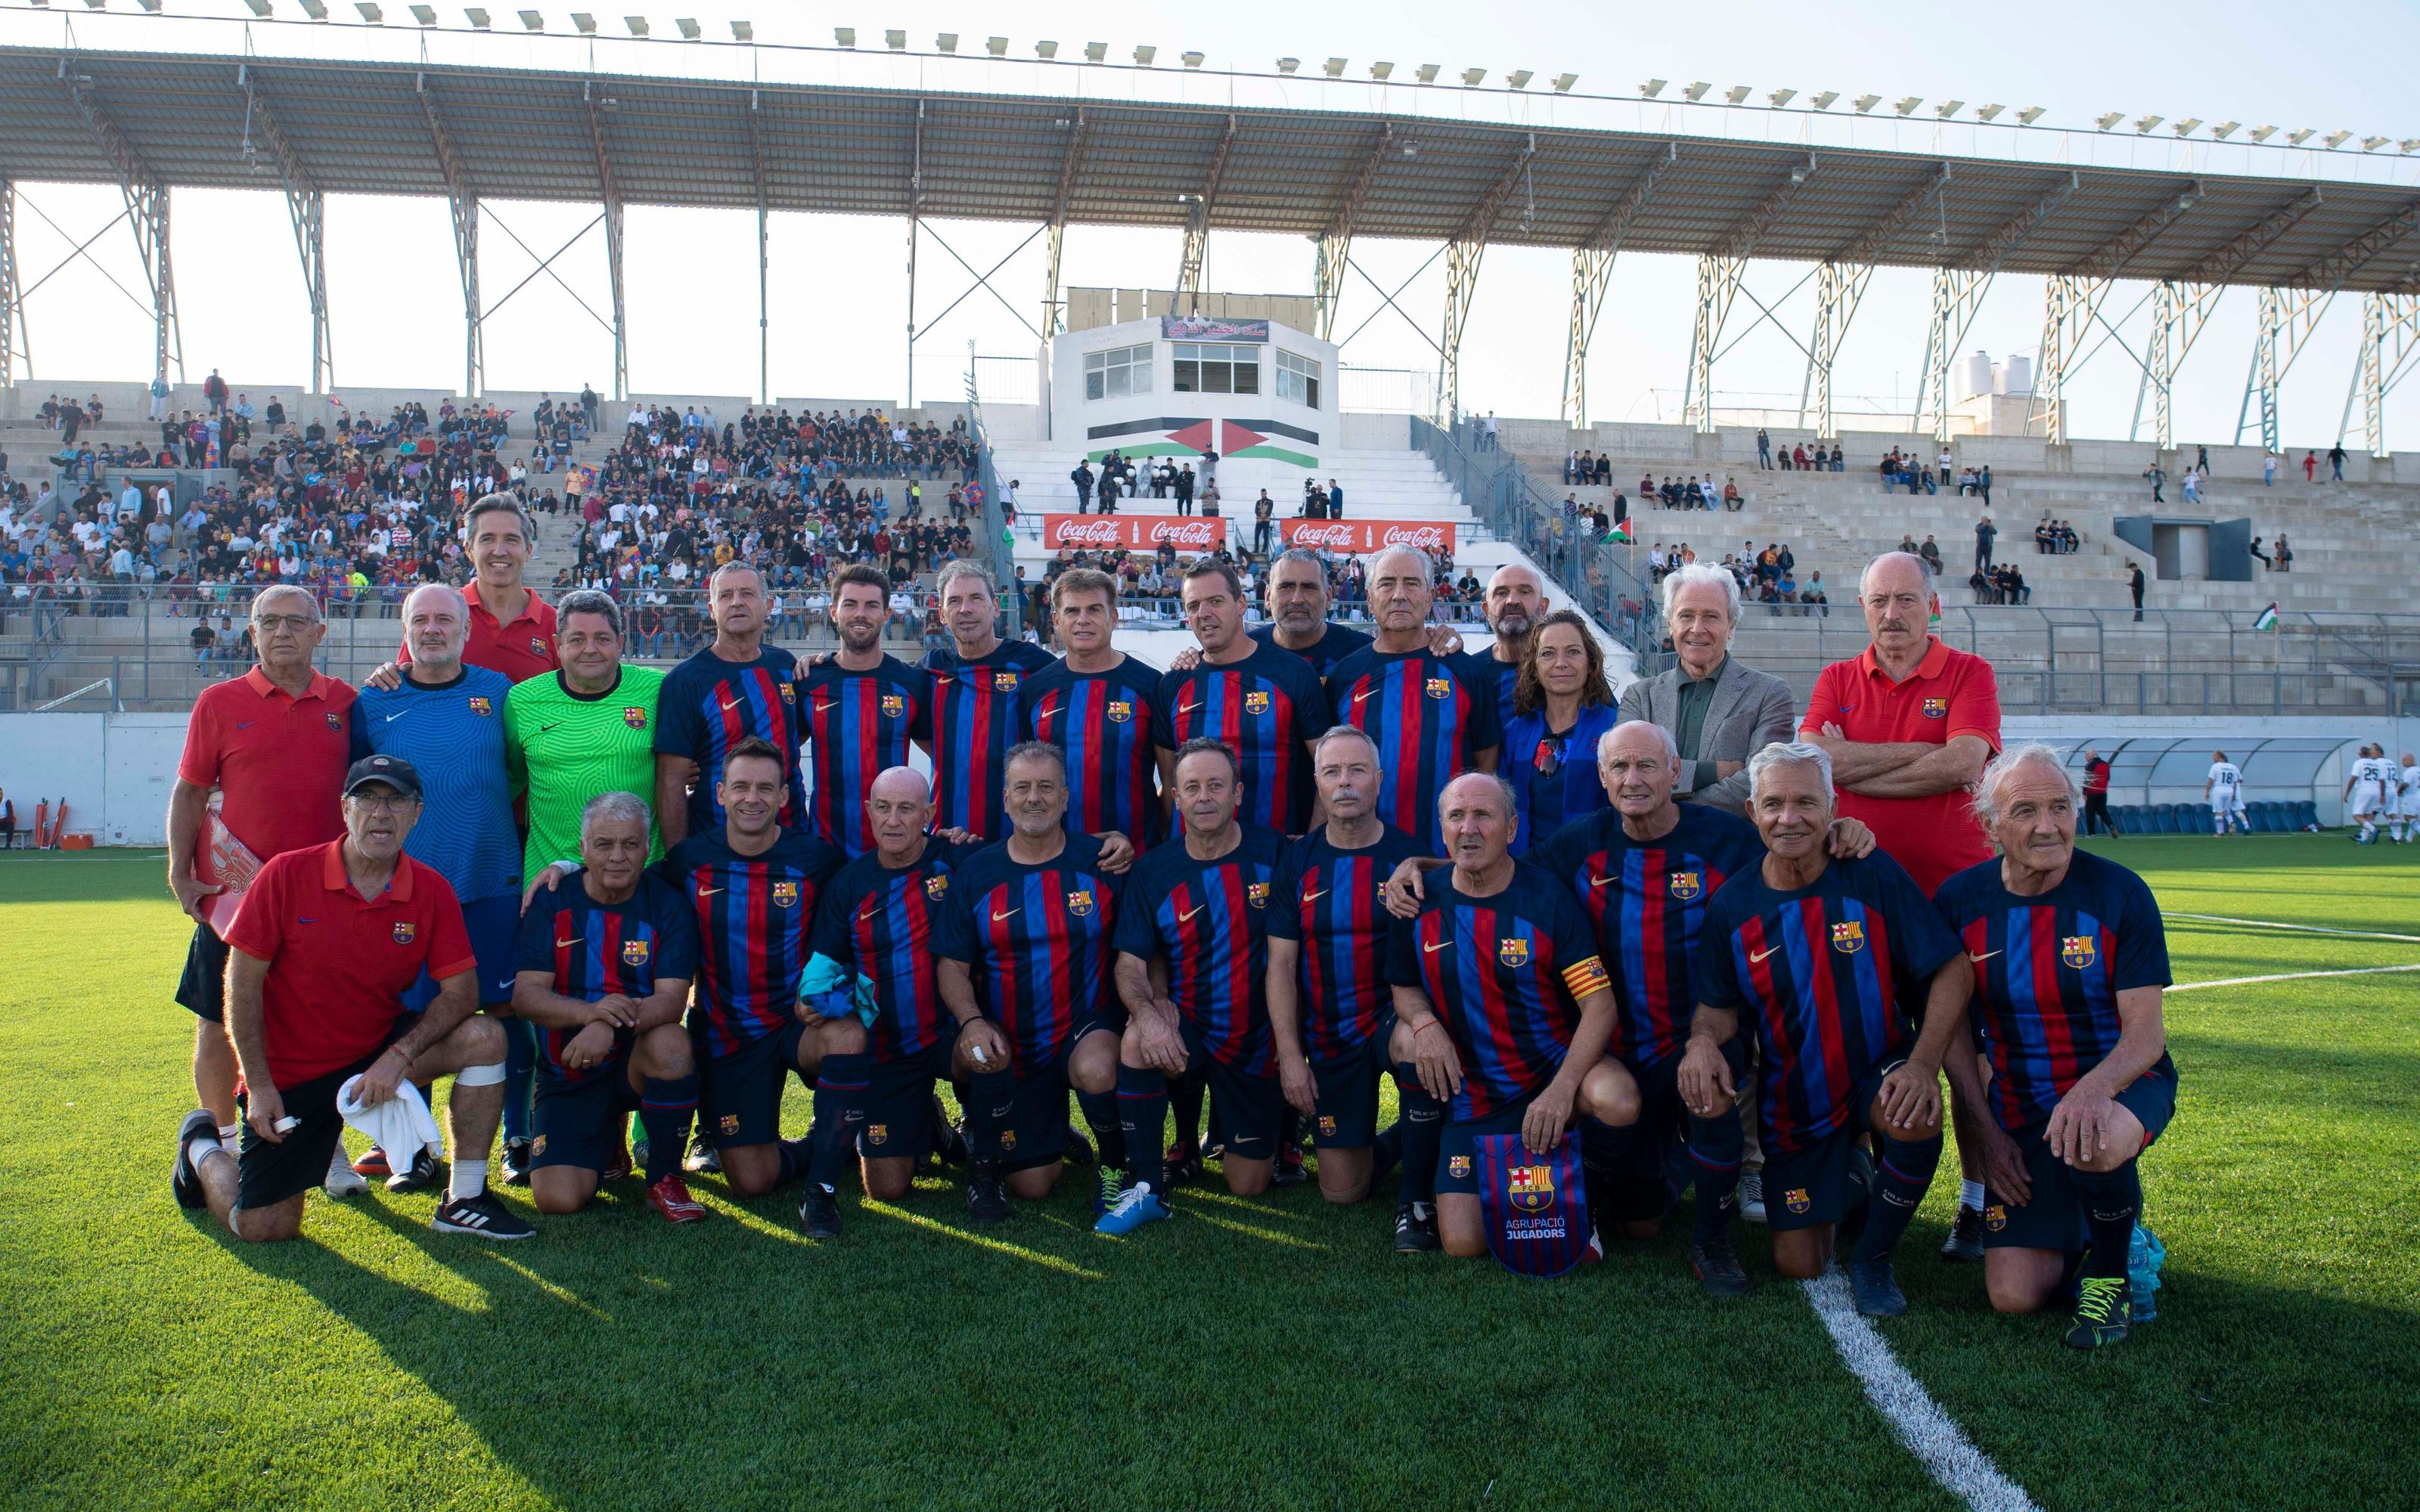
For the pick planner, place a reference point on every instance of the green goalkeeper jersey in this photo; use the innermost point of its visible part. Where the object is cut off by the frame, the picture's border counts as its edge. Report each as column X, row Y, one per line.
column 563, row 750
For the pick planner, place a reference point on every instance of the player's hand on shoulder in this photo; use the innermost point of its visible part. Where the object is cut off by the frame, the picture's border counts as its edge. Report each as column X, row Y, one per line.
column 1403, row 891
column 954, row 835
column 548, row 876
column 1444, row 640
column 1851, row 839
column 387, row 678
column 1185, row 660
column 1117, row 852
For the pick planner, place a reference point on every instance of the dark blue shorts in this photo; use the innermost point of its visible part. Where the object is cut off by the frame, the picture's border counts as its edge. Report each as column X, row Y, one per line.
column 899, row 1102
column 492, row 923
column 203, row 986
column 1246, row 1107
column 1346, row 1096
column 1458, row 1149
column 1810, row 1185
column 2055, row 1218
column 739, row 1094
column 1645, row 1186
column 580, row 1123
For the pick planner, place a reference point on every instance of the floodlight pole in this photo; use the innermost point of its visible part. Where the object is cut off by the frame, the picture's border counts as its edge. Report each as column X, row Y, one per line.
column 463, row 202
column 2390, row 342
column 147, row 213
column 1053, row 310
column 1841, row 287
column 14, row 342
column 1188, row 292
column 1462, row 256
column 1592, row 272
column 1335, row 240
column 1718, row 279
column 307, row 207
column 1958, row 293
column 915, row 213
column 2289, row 311
column 764, row 262
column 612, row 195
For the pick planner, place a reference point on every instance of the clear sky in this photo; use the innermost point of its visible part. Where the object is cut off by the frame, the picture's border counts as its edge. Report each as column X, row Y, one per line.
column 839, row 298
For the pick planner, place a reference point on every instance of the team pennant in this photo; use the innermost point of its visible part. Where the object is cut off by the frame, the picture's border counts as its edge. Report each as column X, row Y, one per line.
column 1535, row 1206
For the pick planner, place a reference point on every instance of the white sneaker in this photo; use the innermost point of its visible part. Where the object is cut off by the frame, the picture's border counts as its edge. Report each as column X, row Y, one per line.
column 342, row 1180
column 1751, row 1195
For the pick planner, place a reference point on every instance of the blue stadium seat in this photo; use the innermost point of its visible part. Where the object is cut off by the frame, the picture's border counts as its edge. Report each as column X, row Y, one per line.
column 2127, row 817
column 2306, row 814
column 2170, row 821
column 2260, row 817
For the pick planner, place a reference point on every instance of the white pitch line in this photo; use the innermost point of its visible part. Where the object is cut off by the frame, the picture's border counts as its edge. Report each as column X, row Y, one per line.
column 1931, row 1434
column 2299, row 929
column 2287, row 976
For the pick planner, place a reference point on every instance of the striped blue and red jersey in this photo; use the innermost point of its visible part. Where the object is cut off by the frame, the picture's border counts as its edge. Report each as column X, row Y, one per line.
column 2048, row 969
column 1036, row 937
column 1647, row 901
column 978, row 712
column 1506, row 974
column 1430, row 718
column 1500, row 677
column 1336, row 643
column 857, row 725
column 878, row 921
column 1327, row 900
column 591, row 951
column 709, row 705
column 753, row 913
column 1268, row 709
column 1827, row 977
column 1205, row 922
column 1103, row 722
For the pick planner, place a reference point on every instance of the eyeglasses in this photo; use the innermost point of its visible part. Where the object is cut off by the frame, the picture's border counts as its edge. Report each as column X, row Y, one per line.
column 383, row 802
column 275, row 623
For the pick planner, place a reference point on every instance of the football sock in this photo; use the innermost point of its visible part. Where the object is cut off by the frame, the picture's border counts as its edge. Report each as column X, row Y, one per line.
column 1603, row 1146
column 990, row 1102
column 665, row 1107
column 2112, row 1201
column 468, row 1179
column 795, row 1155
column 228, row 1132
column 1424, row 1131
column 1900, row 1178
column 840, row 1108
column 520, row 1066
column 1293, row 1130
column 1142, row 1112
column 1185, row 1095
column 198, row 1147
column 1387, row 1150
column 1100, row 1110
column 1970, row 1195
column 1715, row 1146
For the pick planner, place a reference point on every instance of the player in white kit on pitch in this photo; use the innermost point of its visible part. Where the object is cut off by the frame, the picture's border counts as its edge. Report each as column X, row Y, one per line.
column 2224, row 791
column 2365, row 789
column 2406, row 827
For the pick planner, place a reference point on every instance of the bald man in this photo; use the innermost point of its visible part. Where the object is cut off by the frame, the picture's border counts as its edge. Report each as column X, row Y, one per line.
column 1516, row 600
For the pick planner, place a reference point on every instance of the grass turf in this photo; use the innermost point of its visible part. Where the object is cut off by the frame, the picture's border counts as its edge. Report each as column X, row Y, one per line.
column 1249, row 1353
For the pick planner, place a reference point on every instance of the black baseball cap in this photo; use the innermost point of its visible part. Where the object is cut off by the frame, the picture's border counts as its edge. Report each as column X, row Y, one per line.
column 394, row 771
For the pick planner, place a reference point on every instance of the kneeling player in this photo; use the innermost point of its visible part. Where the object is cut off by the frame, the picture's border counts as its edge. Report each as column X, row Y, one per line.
column 1812, row 950
column 2069, row 962
column 1499, row 987
column 604, row 962
column 1021, row 952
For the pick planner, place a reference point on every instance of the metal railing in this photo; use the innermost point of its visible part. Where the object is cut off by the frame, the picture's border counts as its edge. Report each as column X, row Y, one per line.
column 1606, row 579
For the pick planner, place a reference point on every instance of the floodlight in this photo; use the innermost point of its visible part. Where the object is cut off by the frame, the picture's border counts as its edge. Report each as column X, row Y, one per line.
column 1045, row 50
column 1948, row 108
column 1736, row 93
column 2190, row 198
column 259, row 8
column 1907, row 104
column 2338, row 139
column 1780, row 98
column 93, row 5
column 1824, row 100
column 2410, row 143
column 2224, row 130
column 1563, row 83
column 1144, row 55
column 426, row 15
column 1193, row 60
column 895, row 40
column 1988, row 113
column 1333, row 68
column 2298, row 138
column 1473, row 78
column 845, row 36
column 476, row 17
column 743, row 31
column 531, row 21
column 2108, row 118
column 1382, row 71
column 638, row 24
column 996, row 46
column 370, row 14
column 152, row 6
column 1866, row 102
column 2143, row 123
column 1798, row 174
column 1427, row 73
column 2262, row 134
column 1287, row 65
column 1096, row 51
column 1651, row 87
column 947, row 42
column 690, row 30
column 2186, row 127
column 1697, row 90
column 316, row 9
column 1519, row 78
column 583, row 23
column 2371, row 143
column 2030, row 114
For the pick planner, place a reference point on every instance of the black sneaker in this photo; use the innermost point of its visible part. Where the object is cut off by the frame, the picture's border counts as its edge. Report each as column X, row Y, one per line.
column 1876, row 1289
column 1183, row 1165
column 185, row 1182
column 516, row 1162
column 703, row 1156
column 986, row 1202
column 1965, row 1245
column 819, row 1211
column 1416, row 1229
column 482, row 1217
column 427, row 1171
column 1074, row 1148
column 1718, row 1270
column 1289, row 1169
column 953, row 1149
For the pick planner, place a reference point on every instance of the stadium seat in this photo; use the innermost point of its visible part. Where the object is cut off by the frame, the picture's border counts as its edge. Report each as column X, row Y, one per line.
column 2171, row 823
column 2126, row 819
column 2306, row 814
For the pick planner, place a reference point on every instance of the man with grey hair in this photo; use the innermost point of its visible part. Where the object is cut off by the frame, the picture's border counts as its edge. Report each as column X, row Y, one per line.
column 1909, row 725
column 1516, row 600
column 1432, row 717
column 978, row 707
column 1812, row 956
column 1298, row 604
column 1719, row 712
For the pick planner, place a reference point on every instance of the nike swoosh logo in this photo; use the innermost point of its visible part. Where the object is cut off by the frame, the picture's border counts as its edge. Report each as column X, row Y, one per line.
column 1359, row 697
column 1755, row 956
column 544, row 728
column 1316, row 896
column 393, row 717
column 574, row 940
column 244, row 725
column 1432, row 950
column 306, row 921
column 823, row 708
column 1603, row 882
column 1978, row 960
column 729, row 706
column 997, row 917
column 1183, row 708
column 708, row 892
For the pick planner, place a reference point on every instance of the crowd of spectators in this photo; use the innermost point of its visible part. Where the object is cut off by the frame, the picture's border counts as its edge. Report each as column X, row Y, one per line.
column 1150, row 583
column 1769, row 577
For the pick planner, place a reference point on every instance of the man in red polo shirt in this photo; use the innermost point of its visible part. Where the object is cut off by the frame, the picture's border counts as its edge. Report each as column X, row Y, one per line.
column 512, row 629
column 327, row 941
column 271, row 744
column 1910, row 724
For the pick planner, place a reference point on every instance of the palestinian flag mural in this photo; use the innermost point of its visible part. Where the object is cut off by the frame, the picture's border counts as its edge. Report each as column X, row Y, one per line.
column 1184, row 436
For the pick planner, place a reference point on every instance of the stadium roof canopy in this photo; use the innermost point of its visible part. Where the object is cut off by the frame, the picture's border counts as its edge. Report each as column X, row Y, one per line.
column 1512, row 171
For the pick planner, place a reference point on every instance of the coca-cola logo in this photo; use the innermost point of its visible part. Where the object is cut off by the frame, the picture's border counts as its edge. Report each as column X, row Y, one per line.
column 1198, row 533
column 1093, row 532
column 1424, row 537
column 1334, row 537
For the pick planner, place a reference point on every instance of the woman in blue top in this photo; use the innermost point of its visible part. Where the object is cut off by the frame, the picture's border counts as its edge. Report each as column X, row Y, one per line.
column 1562, row 707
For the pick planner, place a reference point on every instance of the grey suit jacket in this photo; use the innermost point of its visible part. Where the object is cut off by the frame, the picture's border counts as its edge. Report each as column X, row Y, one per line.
column 1751, row 710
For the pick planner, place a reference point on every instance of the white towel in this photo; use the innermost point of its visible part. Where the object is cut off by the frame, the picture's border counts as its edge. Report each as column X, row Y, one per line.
column 402, row 1125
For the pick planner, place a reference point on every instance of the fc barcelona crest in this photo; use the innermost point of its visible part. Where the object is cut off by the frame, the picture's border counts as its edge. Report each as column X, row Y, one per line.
column 1458, row 1166
column 335, row 722
column 480, row 706
column 936, row 887
column 1440, row 688
column 2079, row 950
column 1936, row 708
column 786, row 895
column 1120, row 711
column 1996, row 1217
column 635, row 716
column 1848, row 937
column 1795, row 1199
column 893, row 705
column 789, row 692
column 404, row 931
column 1003, row 681
column 1512, row 953
column 634, row 952
column 1080, row 903
column 1327, row 1124
column 1256, row 894
column 538, row 646
column 877, row 1134
column 1255, row 701
column 1531, row 1188
column 731, row 1123
column 1686, row 886
column 1008, row 1141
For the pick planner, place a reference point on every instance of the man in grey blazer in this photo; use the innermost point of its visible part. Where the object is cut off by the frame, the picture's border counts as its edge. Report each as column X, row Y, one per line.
column 1719, row 712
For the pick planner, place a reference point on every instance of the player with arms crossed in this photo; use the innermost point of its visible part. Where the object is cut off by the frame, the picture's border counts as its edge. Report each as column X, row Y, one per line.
column 2068, row 962
column 1500, row 989
column 1331, row 1012
column 862, row 707
column 2223, row 793
column 1819, row 956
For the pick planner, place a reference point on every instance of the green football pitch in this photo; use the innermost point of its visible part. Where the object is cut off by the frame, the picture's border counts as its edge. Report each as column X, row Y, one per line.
column 1262, row 1354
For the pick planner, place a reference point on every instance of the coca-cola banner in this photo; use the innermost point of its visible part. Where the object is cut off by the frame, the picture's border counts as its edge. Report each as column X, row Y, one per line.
column 1359, row 537
column 1136, row 532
